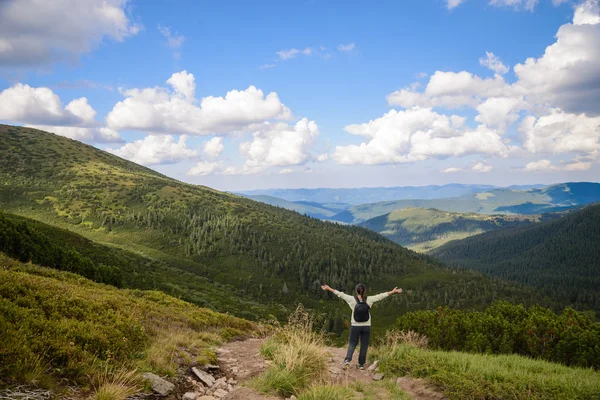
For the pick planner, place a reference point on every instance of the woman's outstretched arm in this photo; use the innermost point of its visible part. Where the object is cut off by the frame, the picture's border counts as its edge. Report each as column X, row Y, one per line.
column 343, row 295
column 381, row 296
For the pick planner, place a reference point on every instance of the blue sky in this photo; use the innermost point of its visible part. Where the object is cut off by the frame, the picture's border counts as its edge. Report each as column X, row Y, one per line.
column 447, row 85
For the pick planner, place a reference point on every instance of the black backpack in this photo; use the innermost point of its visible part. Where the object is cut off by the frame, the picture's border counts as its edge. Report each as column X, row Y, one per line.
column 361, row 310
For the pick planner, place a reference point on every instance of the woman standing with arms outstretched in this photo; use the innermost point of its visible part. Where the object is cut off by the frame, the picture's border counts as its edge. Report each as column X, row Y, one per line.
column 361, row 320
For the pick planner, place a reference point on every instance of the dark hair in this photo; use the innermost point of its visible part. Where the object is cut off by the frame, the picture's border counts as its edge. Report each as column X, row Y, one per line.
column 360, row 289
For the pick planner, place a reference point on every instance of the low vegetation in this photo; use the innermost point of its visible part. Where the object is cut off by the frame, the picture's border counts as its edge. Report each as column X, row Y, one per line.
column 59, row 327
column 570, row 337
column 482, row 376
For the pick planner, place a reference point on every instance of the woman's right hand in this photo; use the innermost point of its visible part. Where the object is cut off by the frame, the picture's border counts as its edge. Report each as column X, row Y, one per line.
column 325, row 287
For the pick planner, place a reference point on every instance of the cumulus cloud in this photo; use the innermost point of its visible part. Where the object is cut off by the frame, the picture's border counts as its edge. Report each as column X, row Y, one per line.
column 41, row 108
column 279, row 144
column 453, row 170
column 547, row 166
column 568, row 74
column 555, row 100
column 204, row 168
column 174, row 42
column 493, row 62
column 214, row 147
column 285, row 171
column 414, row 135
column 156, row 149
column 164, row 111
column 39, row 32
column 450, row 89
column 560, row 132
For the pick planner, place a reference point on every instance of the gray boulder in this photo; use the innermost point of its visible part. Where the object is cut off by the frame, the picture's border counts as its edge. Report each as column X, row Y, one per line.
column 159, row 385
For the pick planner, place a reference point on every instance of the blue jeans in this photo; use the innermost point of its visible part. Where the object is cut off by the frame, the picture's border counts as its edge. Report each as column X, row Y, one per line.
column 362, row 333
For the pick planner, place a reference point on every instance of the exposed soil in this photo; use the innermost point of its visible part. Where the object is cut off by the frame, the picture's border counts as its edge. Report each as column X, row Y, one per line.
column 243, row 361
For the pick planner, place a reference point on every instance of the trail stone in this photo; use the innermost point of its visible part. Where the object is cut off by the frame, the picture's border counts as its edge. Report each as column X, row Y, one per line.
column 232, row 381
column 234, row 370
column 189, row 396
column 335, row 370
column 373, row 366
column 229, row 387
column 204, row 377
column 207, row 367
column 158, row 384
column 220, row 393
column 206, row 398
column 378, row 377
column 220, row 383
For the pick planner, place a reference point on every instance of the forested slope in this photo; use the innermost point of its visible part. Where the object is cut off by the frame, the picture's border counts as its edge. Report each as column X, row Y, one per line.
column 267, row 254
column 560, row 257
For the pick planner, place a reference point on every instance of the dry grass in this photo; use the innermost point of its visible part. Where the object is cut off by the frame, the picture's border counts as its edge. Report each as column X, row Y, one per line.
column 178, row 345
column 394, row 337
column 116, row 385
column 298, row 354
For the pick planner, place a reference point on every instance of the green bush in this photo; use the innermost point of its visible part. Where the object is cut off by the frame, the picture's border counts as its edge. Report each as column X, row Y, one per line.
column 571, row 338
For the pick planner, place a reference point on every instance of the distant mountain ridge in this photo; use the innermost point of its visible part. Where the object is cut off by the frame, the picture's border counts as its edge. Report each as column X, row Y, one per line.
column 496, row 201
column 357, row 196
column 425, row 229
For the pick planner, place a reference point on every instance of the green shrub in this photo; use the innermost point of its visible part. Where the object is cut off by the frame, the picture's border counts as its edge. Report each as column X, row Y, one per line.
column 571, row 338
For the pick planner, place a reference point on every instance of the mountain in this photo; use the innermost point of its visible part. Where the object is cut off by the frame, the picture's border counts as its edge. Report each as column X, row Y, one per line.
column 559, row 257
column 369, row 195
column 312, row 209
column 497, row 201
column 195, row 242
column 426, row 229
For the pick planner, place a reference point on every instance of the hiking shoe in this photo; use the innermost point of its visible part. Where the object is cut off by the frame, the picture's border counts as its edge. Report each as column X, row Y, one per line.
column 345, row 364
column 360, row 366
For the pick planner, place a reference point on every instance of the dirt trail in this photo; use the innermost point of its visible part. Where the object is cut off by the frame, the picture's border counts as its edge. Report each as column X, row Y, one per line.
column 243, row 360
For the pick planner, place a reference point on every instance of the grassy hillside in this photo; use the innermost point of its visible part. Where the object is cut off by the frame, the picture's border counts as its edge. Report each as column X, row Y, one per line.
column 559, row 257
column 496, row 201
column 196, row 241
column 58, row 328
column 426, row 229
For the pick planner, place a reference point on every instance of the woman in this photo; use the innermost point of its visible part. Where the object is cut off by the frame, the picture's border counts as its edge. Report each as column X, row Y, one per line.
column 361, row 320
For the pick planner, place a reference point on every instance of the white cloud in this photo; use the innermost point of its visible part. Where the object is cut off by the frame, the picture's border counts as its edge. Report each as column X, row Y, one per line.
column 34, row 32
column 568, row 74
column 560, row 132
column 499, row 112
column 156, row 149
column 174, row 42
column 292, row 53
column 214, row 147
column 267, row 66
column 452, row 170
column 42, row 109
column 540, row 166
column 322, row 157
column 528, row 5
column 279, row 144
column 481, row 167
column 450, row 89
column 476, row 166
column 493, row 62
column 285, row 171
column 346, row 48
column 184, row 84
column 159, row 110
column 547, row 166
column 414, row 135
column 204, row 168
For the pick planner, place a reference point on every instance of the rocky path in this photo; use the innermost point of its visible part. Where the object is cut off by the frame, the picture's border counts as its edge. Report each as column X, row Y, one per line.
column 238, row 362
